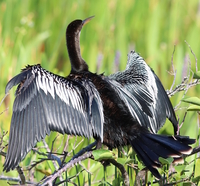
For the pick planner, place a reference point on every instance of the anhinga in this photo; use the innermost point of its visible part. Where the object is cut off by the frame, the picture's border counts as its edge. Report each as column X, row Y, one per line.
column 126, row 108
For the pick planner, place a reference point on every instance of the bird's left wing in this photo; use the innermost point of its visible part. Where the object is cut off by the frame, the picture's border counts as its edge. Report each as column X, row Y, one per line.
column 46, row 102
column 144, row 86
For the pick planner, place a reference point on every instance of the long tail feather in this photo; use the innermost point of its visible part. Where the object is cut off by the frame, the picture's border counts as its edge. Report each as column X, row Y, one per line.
column 150, row 147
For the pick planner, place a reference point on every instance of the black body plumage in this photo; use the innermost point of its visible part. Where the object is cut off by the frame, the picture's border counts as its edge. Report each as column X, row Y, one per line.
column 125, row 108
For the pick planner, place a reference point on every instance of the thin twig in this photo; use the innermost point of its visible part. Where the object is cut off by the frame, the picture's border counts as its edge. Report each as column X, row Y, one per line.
column 69, row 179
column 51, row 156
column 192, row 54
column 75, row 159
column 21, row 175
column 73, row 162
column 179, row 126
column 14, row 179
column 84, row 168
column 173, row 69
column 66, row 144
column 74, row 147
column 182, row 87
column 4, row 98
column 122, row 170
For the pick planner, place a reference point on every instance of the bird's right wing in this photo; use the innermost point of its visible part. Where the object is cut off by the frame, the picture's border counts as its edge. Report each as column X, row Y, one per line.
column 45, row 102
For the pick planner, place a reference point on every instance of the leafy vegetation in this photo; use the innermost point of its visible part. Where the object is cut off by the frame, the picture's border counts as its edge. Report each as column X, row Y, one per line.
column 33, row 32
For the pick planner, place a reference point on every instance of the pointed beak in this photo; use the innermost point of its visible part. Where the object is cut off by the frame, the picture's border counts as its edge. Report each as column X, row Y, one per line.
column 87, row 20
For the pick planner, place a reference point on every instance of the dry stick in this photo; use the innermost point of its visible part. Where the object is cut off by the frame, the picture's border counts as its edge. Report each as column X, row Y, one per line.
column 2, row 102
column 14, row 179
column 4, row 98
column 173, row 70
column 73, row 162
column 80, row 156
column 122, row 170
column 179, row 126
column 66, row 144
column 84, row 168
column 75, row 159
column 183, row 87
column 192, row 54
column 51, row 156
column 74, row 147
column 21, row 175
column 69, row 179
column 2, row 147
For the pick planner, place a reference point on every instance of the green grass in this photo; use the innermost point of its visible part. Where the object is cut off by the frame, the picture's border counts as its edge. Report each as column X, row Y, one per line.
column 33, row 32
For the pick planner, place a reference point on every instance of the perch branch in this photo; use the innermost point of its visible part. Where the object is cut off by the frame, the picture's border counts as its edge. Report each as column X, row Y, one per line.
column 71, row 163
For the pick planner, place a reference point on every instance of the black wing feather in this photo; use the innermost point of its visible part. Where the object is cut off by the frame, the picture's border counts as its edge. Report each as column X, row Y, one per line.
column 144, row 86
column 45, row 102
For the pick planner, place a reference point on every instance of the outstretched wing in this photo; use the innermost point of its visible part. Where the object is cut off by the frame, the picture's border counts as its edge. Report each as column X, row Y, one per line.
column 146, row 94
column 45, row 102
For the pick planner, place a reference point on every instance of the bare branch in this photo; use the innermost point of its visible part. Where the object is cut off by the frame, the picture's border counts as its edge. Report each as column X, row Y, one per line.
column 71, row 163
column 74, row 147
column 173, row 70
column 80, row 156
column 183, row 87
column 179, row 126
column 69, row 179
column 192, row 54
column 14, row 180
column 122, row 170
column 50, row 155
column 4, row 98
column 66, row 144
column 21, row 175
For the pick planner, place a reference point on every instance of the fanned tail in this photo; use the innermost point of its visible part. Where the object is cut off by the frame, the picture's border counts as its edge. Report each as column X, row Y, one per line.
column 150, row 147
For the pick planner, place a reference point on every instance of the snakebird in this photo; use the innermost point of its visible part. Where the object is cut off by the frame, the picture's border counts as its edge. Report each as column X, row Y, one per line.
column 125, row 108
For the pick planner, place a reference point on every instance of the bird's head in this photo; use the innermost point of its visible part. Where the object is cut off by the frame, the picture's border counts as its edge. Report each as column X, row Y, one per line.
column 75, row 26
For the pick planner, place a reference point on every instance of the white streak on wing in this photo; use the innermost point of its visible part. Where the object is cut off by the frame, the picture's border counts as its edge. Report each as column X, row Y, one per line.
column 78, row 100
column 47, row 83
column 73, row 98
column 44, row 85
column 51, row 87
column 57, row 90
column 37, row 80
column 66, row 97
column 101, row 113
column 62, row 92
column 152, row 82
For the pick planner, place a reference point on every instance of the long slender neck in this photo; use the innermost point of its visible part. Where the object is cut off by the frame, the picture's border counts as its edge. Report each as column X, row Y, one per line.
column 73, row 46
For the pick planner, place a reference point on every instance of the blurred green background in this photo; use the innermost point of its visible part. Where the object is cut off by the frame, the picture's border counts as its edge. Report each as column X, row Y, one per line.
column 33, row 32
